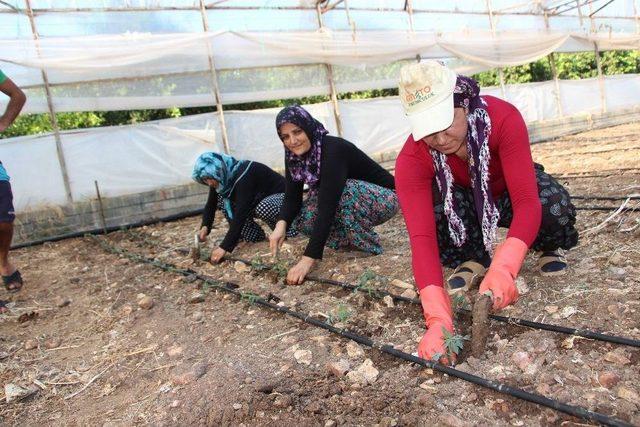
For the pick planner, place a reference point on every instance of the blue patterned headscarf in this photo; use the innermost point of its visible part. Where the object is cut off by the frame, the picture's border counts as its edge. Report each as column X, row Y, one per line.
column 224, row 169
column 305, row 168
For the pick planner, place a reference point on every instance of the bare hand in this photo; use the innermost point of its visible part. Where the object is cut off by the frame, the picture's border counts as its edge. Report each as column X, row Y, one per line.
column 202, row 234
column 297, row 273
column 217, row 255
column 276, row 239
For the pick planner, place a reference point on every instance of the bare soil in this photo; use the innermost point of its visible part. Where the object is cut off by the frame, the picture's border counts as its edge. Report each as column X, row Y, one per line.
column 102, row 340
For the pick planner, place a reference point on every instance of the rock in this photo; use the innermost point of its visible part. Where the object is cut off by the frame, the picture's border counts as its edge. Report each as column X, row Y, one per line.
column 174, row 351
column 62, row 302
column 265, row 388
column 409, row 293
column 521, row 359
column 617, row 357
column 4, row 355
column 551, row 309
column 388, row 422
column 196, row 371
column 543, row 389
column 402, row 285
column 241, row 267
column 52, row 343
column 472, row 397
column 303, row 357
column 616, row 310
column 283, row 401
column 629, row 395
column 617, row 272
column 175, row 404
column 354, row 350
column 330, row 423
column 522, row 286
column 197, row 316
column 608, row 379
column 451, row 420
column 338, row 368
column 388, row 301
column 617, row 259
column 126, row 310
column 567, row 312
column 30, row 344
column 364, row 374
column 237, row 406
column 145, row 302
column 314, row 407
column 196, row 298
column 14, row 392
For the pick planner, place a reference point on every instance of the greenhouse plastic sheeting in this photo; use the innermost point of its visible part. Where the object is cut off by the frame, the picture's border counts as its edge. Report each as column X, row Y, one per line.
column 138, row 71
column 148, row 156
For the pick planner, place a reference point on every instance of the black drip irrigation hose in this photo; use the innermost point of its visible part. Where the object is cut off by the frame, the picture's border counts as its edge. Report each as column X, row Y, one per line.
column 601, row 208
column 232, row 288
column 584, row 333
column 613, row 198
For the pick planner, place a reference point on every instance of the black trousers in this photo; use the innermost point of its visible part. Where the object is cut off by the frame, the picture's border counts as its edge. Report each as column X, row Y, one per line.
column 557, row 229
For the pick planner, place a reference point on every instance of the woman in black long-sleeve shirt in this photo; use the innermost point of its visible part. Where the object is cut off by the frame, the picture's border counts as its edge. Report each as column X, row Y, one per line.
column 242, row 190
column 349, row 193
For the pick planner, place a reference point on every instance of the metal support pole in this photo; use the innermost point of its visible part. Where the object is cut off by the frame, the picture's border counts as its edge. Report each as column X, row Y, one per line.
column 214, row 81
column 52, row 113
column 556, row 81
column 603, row 96
column 503, row 88
column 554, row 72
column 332, row 86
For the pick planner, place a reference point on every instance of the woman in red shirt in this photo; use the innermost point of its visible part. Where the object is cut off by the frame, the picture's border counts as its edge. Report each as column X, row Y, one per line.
column 466, row 170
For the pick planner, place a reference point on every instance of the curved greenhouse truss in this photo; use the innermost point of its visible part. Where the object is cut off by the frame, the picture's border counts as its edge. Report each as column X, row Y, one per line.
column 99, row 55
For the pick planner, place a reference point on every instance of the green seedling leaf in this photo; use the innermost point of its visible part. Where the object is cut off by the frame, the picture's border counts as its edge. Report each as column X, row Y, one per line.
column 453, row 343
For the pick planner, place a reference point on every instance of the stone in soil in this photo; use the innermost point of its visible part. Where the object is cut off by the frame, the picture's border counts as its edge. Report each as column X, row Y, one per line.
column 354, row 350
column 409, row 293
column 521, row 359
column 388, row 301
column 402, row 285
column 52, row 343
column 241, row 267
column 364, row 374
column 451, row 420
column 30, row 344
column 338, row 368
column 14, row 392
column 629, row 395
column 197, row 316
column 608, row 379
column 145, row 302
column 62, row 302
column 196, row 371
column 303, row 357
column 283, row 401
column 196, row 298
column 617, row 357
column 480, row 326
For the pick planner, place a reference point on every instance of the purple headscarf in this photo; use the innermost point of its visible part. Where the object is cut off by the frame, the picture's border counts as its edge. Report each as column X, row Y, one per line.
column 467, row 95
column 305, row 168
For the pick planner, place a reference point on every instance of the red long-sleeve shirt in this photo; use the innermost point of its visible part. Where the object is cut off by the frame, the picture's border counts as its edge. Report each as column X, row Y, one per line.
column 510, row 169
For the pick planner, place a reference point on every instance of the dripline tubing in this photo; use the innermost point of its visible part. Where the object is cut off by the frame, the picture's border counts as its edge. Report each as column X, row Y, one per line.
column 584, row 333
column 232, row 288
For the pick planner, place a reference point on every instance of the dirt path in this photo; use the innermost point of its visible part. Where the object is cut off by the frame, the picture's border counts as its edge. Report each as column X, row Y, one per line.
column 95, row 356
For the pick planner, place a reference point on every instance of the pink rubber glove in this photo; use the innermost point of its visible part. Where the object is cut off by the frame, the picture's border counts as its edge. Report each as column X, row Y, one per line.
column 436, row 307
column 501, row 276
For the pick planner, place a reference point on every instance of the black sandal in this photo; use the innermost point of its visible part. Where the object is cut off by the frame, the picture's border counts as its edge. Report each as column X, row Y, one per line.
column 13, row 279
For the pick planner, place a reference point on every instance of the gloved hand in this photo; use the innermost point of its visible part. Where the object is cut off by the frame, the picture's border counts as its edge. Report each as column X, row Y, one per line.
column 500, row 278
column 436, row 307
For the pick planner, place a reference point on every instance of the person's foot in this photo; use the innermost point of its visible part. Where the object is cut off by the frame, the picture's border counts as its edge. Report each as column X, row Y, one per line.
column 12, row 282
column 466, row 275
column 552, row 263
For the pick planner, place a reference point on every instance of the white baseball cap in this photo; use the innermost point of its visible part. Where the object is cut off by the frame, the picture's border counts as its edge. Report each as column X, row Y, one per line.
column 426, row 91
